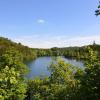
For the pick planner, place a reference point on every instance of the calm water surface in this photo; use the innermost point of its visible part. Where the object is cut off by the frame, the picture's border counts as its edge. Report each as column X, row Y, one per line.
column 39, row 67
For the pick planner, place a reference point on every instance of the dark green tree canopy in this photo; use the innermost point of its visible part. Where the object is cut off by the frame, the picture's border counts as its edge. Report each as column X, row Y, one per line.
column 97, row 12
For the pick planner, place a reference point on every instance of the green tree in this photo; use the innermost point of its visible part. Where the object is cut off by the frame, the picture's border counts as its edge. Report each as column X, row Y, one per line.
column 60, row 85
column 13, row 58
column 90, row 81
column 12, row 72
column 12, row 86
column 97, row 12
column 63, row 78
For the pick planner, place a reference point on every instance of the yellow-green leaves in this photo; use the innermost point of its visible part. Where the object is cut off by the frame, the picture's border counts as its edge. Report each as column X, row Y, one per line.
column 60, row 85
column 12, row 83
column 13, row 80
column 1, row 97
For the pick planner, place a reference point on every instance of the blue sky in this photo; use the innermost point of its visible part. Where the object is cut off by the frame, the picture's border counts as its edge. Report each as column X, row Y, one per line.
column 50, row 23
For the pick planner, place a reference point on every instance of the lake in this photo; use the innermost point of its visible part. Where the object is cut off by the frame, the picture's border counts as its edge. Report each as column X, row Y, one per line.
column 39, row 66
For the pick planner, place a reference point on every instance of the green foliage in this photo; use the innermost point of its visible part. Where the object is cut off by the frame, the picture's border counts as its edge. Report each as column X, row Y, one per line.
column 12, row 72
column 97, row 12
column 71, row 52
column 60, row 85
column 37, row 89
column 26, row 52
column 13, row 59
column 11, row 86
column 31, row 53
column 63, row 76
column 66, row 82
column 90, row 81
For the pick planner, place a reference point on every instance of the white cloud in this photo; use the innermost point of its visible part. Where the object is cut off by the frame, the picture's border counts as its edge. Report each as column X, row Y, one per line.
column 56, row 41
column 41, row 21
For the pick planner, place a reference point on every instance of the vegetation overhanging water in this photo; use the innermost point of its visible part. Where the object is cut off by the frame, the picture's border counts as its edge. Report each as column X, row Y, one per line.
column 39, row 66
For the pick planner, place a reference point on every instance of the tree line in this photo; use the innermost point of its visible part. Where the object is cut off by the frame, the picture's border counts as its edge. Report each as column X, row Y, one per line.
column 32, row 53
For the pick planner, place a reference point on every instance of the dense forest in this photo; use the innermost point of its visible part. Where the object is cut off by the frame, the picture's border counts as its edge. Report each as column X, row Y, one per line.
column 31, row 53
column 26, row 52
column 66, row 82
